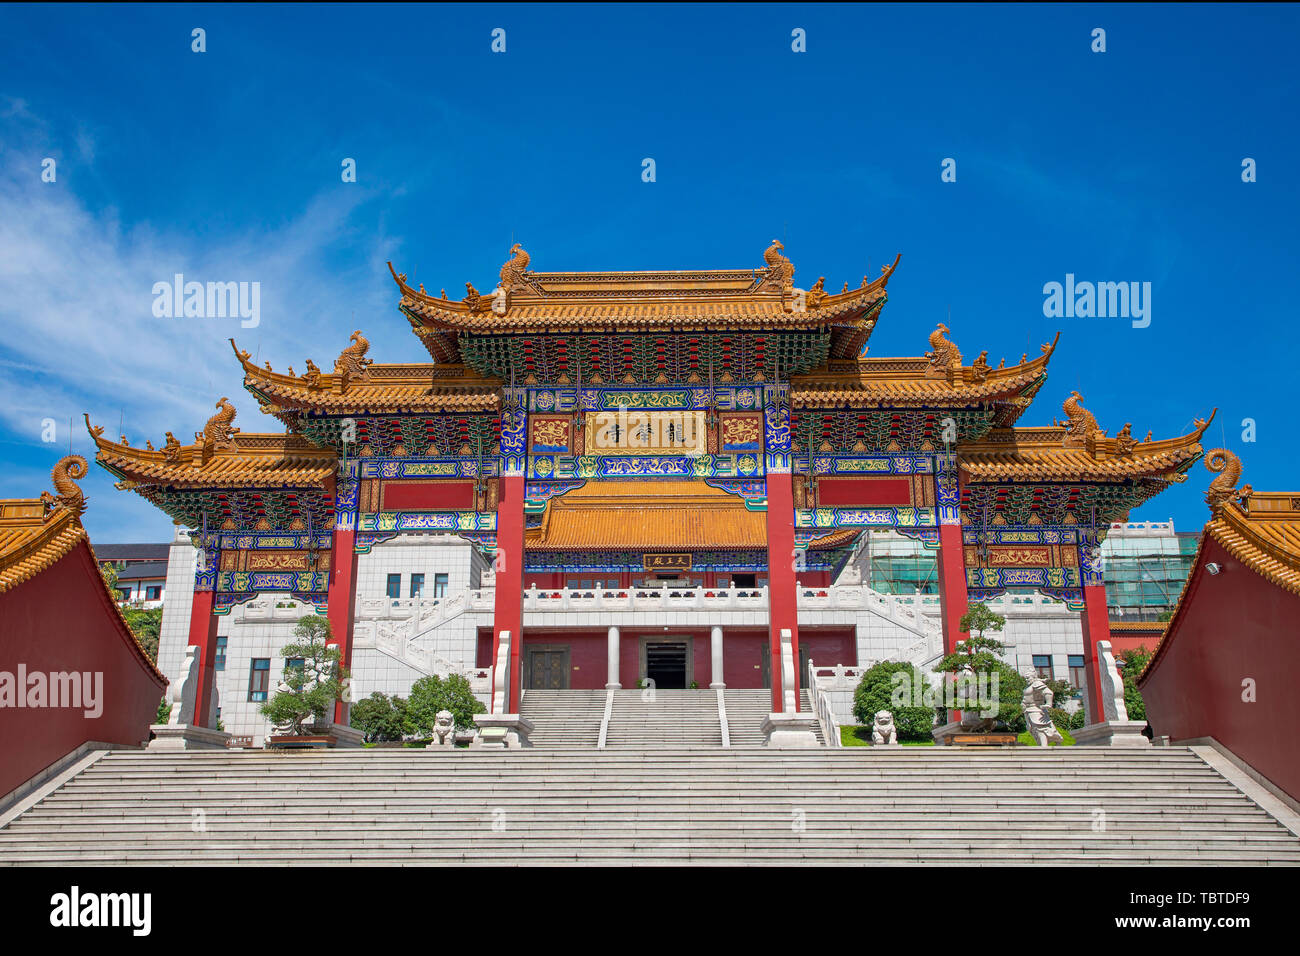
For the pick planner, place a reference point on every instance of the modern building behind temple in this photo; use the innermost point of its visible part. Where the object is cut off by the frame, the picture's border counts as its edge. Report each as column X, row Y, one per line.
column 649, row 475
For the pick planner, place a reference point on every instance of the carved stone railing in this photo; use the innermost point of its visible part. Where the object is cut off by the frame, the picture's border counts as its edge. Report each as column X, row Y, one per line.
column 834, row 687
column 822, row 708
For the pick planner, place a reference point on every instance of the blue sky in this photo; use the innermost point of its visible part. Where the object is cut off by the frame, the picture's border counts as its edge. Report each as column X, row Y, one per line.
column 225, row 166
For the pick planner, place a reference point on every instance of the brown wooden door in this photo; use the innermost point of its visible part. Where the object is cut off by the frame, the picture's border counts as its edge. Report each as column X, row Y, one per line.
column 547, row 669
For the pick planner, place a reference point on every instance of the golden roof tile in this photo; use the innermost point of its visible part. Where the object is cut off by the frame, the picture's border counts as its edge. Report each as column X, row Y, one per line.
column 571, row 302
column 648, row 515
column 29, row 543
column 244, row 460
column 905, row 382
column 1261, row 529
column 1265, row 536
column 35, row 533
column 375, row 389
column 1046, row 454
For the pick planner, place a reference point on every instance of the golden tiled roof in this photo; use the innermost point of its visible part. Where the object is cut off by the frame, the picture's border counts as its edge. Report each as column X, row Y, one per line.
column 908, row 382
column 572, row 302
column 1041, row 455
column 648, row 516
column 28, row 543
column 245, row 461
column 382, row 389
column 1265, row 537
column 1262, row 532
column 1145, row 626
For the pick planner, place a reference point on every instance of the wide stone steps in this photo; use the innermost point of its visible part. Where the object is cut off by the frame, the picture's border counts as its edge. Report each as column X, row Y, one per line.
column 748, row 707
column 564, row 718
column 664, row 719
column 650, row 807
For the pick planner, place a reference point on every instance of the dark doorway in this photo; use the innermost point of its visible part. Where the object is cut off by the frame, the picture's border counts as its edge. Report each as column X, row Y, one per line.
column 665, row 664
column 547, row 668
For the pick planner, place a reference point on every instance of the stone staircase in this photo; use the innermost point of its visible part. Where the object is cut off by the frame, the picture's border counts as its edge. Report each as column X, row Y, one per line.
column 674, row 718
column 747, row 708
column 860, row 806
column 563, row 718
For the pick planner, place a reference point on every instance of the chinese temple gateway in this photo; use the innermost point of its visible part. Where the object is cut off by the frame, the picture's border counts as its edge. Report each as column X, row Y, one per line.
column 697, row 453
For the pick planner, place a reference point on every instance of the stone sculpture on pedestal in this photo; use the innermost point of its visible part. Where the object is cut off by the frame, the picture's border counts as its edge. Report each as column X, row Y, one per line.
column 884, row 731
column 1035, row 701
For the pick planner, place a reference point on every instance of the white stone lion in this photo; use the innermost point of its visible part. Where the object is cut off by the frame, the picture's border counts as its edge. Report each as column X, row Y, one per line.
column 883, row 730
column 444, row 729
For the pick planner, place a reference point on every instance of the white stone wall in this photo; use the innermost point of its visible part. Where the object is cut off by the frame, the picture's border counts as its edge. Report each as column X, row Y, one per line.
column 390, row 636
column 429, row 555
column 175, row 628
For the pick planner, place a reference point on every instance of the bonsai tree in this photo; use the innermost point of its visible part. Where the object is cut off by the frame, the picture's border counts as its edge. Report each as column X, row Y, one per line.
column 432, row 694
column 979, row 658
column 310, row 688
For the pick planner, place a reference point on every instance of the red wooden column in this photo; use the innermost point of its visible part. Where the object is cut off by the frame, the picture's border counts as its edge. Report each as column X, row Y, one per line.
column 508, row 609
column 341, row 597
column 782, row 597
column 203, row 629
column 342, row 602
column 1095, row 620
column 203, row 635
column 953, row 600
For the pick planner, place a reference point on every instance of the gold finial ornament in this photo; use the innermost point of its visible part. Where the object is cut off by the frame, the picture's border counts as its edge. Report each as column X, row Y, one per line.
column 353, row 361
column 312, row 375
column 67, row 495
column 1080, row 424
column 780, row 270
column 512, row 273
column 1124, row 437
column 943, row 354
column 219, row 432
column 1223, row 488
column 172, row 449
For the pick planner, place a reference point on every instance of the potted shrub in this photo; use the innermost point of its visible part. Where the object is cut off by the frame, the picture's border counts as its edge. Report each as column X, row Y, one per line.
column 302, row 710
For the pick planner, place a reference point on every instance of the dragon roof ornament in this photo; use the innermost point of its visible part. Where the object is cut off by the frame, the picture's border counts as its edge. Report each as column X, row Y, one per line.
column 1223, row 489
column 64, row 476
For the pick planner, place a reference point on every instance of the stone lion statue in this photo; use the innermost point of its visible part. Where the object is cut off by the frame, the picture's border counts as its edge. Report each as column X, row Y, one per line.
column 444, row 729
column 883, row 730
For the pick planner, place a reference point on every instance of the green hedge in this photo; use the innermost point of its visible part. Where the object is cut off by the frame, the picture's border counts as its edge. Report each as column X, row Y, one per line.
column 875, row 693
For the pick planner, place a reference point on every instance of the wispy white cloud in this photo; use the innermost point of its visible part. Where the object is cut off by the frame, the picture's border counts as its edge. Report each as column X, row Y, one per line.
column 77, row 320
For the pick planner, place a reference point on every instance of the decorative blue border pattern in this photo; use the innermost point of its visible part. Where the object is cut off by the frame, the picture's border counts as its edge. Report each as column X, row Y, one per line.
column 553, row 468
column 1003, row 578
column 865, row 464
column 687, row 398
column 864, row 518
column 244, row 582
column 426, row 468
column 454, row 521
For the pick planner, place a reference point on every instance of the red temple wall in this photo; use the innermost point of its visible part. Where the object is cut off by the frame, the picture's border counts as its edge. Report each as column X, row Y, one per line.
column 427, row 496
column 742, row 652
column 1232, row 626
column 62, row 620
column 852, row 492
